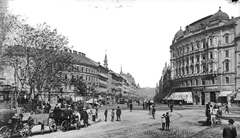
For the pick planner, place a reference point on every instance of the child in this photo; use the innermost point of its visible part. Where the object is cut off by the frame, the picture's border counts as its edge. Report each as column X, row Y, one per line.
column 112, row 115
column 163, row 121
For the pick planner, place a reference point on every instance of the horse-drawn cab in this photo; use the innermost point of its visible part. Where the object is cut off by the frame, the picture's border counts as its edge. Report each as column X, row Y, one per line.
column 66, row 118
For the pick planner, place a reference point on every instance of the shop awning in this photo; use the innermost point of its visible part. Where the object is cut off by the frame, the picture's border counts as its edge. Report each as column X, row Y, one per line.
column 186, row 96
column 237, row 98
column 225, row 93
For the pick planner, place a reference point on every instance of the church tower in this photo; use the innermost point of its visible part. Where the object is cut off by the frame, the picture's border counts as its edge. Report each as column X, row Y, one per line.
column 121, row 70
column 105, row 60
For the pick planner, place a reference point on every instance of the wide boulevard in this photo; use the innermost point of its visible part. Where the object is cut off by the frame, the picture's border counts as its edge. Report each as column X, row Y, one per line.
column 186, row 122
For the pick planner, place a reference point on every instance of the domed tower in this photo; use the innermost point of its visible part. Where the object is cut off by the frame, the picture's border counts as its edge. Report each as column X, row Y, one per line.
column 219, row 17
column 179, row 34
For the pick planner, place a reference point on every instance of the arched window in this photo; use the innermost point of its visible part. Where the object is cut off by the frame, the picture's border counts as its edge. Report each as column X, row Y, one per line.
column 196, row 81
column 198, row 68
column 227, row 80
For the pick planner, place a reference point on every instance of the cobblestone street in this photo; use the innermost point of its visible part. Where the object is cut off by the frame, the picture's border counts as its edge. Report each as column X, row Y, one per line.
column 185, row 123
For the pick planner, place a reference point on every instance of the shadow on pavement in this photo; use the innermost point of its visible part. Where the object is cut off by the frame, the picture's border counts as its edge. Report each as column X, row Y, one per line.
column 203, row 123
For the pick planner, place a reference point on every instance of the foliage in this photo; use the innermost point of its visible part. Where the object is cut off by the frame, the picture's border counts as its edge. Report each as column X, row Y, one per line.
column 37, row 55
column 79, row 84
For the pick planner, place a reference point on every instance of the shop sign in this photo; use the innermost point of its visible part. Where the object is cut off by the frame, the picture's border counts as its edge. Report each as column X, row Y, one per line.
column 212, row 89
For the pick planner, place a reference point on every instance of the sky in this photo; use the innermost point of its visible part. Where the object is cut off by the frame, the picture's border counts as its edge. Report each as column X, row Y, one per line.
column 135, row 34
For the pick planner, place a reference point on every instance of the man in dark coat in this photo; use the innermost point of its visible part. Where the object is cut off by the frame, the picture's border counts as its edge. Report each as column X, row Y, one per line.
column 131, row 107
column 171, row 107
column 85, row 117
column 167, row 117
column 105, row 114
column 153, row 112
column 118, row 113
column 226, row 109
column 229, row 131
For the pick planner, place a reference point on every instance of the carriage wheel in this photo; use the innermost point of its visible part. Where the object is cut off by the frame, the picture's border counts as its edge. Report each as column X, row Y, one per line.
column 24, row 132
column 78, row 126
column 52, row 125
column 5, row 132
column 64, row 125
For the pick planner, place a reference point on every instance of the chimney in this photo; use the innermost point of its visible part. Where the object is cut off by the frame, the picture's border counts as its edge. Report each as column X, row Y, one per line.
column 83, row 54
column 65, row 50
column 79, row 53
column 232, row 17
column 75, row 52
column 70, row 51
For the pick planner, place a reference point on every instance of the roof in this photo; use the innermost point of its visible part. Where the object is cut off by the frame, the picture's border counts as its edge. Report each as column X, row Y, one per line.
column 82, row 59
column 219, row 16
column 233, row 21
column 200, row 23
column 179, row 34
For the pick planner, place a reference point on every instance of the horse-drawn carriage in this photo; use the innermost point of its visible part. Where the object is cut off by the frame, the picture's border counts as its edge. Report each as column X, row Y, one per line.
column 65, row 119
column 12, row 124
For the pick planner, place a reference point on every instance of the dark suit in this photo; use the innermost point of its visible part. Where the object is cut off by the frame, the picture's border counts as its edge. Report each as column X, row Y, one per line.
column 118, row 113
column 229, row 131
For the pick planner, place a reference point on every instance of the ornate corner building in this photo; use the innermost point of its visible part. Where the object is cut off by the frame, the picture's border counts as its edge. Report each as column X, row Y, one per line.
column 205, row 59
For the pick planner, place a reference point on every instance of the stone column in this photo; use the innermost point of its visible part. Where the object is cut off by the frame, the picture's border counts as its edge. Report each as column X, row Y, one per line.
column 200, row 97
column 207, row 97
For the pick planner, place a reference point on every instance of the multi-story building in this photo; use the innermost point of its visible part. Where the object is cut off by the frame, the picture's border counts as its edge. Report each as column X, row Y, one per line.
column 204, row 59
column 82, row 67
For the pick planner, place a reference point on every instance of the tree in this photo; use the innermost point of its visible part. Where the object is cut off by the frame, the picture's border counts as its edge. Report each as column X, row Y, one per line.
column 39, row 53
column 79, row 84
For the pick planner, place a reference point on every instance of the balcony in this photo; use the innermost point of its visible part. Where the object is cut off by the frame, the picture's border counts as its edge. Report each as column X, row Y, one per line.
column 103, row 82
column 103, row 75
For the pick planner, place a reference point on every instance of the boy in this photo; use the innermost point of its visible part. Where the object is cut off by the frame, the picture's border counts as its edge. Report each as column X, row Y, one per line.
column 163, row 121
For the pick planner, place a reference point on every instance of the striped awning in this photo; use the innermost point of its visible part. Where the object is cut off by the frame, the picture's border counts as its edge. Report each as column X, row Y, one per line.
column 225, row 93
column 186, row 96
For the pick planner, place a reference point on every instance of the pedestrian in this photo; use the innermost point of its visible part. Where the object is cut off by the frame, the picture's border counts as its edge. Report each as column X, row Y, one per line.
column 112, row 114
column 226, row 109
column 85, row 117
column 153, row 112
column 163, row 119
column 171, row 107
column 93, row 114
column 118, row 113
column 229, row 131
column 30, row 123
column 131, row 107
column 96, row 112
column 143, row 105
column 150, row 109
column 105, row 114
column 167, row 117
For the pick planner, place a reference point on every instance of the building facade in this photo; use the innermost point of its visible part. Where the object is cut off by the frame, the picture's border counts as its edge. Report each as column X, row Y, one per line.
column 203, row 59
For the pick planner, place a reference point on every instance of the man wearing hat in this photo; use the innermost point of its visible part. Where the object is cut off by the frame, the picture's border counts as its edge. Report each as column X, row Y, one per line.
column 229, row 131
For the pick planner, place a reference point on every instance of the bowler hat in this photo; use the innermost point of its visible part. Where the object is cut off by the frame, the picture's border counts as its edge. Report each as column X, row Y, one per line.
column 231, row 121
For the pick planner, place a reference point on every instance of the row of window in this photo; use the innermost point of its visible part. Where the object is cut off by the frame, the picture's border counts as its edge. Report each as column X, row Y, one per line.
column 199, row 44
column 196, row 82
column 191, row 59
column 78, row 68
column 190, row 70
